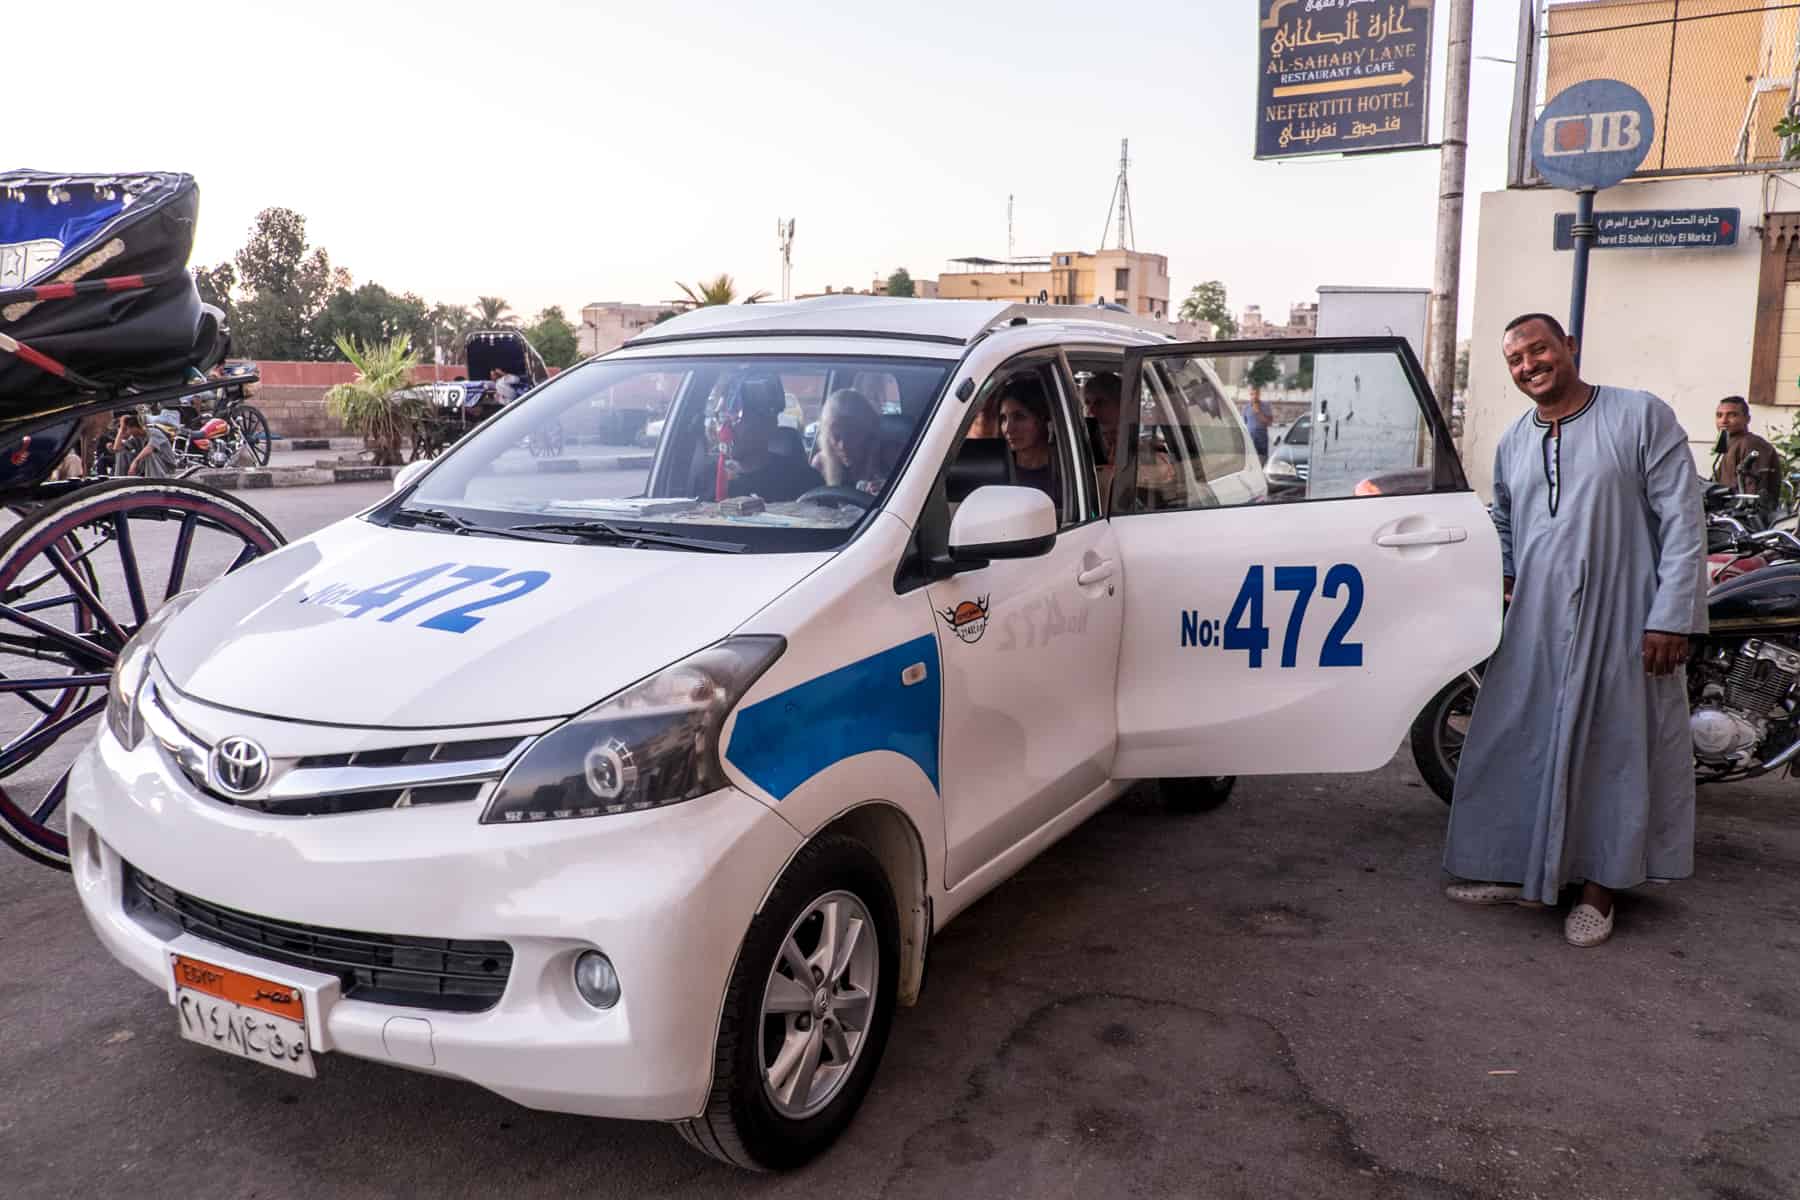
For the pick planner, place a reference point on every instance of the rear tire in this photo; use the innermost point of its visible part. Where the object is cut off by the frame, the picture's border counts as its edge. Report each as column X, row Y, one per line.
column 1202, row 793
column 1438, row 734
column 834, row 882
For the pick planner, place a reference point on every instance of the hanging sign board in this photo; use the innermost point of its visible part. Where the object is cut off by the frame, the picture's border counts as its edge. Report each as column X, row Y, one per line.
column 1592, row 135
column 1655, row 229
column 1341, row 76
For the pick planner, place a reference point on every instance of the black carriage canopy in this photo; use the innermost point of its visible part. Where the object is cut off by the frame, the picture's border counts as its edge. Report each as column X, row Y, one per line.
column 506, row 349
column 95, row 303
column 94, row 283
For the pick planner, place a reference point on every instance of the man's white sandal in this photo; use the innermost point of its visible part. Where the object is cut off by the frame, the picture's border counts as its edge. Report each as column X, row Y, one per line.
column 1586, row 927
column 1488, row 893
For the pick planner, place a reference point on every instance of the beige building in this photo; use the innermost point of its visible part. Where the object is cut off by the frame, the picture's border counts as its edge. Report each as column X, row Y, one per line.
column 609, row 324
column 923, row 289
column 1137, row 281
column 1303, row 321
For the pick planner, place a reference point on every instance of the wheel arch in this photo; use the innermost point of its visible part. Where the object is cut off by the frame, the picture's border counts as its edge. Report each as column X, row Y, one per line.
column 890, row 835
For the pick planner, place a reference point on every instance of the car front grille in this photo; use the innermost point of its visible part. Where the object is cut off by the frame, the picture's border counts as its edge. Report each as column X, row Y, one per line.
column 448, row 974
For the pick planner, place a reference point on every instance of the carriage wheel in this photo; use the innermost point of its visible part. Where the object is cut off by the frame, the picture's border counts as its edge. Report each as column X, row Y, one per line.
column 255, row 430
column 77, row 579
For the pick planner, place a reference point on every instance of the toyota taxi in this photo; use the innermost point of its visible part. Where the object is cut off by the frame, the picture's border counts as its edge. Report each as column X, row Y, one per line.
column 650, row 807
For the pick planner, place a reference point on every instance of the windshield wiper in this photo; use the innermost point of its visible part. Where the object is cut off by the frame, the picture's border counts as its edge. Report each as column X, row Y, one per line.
column 437, row 518
column 593, row 530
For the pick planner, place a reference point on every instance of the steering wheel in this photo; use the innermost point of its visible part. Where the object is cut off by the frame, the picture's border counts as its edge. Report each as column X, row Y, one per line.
column 838, row 497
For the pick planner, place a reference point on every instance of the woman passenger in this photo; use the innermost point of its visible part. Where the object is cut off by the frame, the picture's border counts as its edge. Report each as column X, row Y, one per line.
column 1025, row 424
column 849, row 450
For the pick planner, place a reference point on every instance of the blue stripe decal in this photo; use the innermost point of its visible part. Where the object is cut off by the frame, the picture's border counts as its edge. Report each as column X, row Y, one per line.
column 783, row 741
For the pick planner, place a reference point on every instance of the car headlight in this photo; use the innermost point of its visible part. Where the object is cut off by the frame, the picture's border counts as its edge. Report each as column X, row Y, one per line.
column 131, row 668
column 1280, row 468
column 653, row 744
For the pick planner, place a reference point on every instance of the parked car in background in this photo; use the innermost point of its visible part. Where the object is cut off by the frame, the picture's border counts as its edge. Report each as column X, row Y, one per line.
column 1290, row 458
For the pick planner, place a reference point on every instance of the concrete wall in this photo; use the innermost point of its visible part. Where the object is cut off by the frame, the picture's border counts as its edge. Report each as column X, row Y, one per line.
column 293, row 394
column 1678, row 323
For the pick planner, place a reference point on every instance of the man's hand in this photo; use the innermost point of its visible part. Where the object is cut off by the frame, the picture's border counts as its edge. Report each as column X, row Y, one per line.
column 1664, row 652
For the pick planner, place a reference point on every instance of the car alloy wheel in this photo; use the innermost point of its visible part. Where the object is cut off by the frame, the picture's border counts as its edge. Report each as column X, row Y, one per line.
column 816, row 1004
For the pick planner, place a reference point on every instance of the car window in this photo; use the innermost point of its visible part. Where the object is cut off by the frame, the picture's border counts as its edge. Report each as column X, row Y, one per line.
column 790, row 453
column 1020, row 420
column 1344, row 424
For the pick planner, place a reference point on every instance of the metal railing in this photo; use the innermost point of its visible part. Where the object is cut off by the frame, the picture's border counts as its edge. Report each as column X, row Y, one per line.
column 1718, row 74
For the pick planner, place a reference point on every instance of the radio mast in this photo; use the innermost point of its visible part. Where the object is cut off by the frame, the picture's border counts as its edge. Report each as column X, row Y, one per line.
column 784, row 230
column 1122, row 196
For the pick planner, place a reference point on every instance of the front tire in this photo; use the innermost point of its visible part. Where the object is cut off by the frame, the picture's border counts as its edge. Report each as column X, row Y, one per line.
column 795, row 1056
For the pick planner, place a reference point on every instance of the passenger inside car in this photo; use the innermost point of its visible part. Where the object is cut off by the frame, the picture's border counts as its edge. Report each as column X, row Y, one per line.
column 750, row 464
column 850, row 444
column 1102, row 396
column 1025, row 424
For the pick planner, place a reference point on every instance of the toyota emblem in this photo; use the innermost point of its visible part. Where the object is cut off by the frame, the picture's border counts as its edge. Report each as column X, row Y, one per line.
column 239, row 765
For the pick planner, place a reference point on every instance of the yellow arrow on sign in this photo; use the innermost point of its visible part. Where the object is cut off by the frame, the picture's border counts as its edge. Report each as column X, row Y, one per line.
column 1400, row 79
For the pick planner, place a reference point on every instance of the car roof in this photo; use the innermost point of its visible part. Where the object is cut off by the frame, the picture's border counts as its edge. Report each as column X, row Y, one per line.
column 941, row 322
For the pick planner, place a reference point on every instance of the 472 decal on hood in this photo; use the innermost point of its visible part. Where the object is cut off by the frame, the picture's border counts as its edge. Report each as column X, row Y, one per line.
column 493, row 586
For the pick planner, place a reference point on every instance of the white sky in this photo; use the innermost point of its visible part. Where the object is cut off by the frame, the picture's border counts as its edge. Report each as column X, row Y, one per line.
column 561, row 153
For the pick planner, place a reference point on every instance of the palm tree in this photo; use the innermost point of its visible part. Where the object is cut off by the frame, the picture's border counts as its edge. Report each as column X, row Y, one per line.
column 722, row 290
column 379, row 404
column 494, row 312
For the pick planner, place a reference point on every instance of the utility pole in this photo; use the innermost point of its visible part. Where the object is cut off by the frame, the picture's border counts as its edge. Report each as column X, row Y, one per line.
column 1440, row 349
column 1009, row 227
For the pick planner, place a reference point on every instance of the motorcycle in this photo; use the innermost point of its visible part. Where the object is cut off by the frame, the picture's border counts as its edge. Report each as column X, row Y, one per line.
column 1743, row 677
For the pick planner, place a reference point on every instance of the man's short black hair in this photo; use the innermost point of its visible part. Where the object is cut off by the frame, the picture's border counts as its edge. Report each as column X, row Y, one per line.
column 1527, row 318
column 1739, row 401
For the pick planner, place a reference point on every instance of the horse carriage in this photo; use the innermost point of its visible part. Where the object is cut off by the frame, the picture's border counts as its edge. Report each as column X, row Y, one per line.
column 453, row 408
column 98, row 314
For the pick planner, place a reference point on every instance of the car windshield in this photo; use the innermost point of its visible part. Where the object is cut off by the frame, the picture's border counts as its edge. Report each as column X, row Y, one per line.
column 757, row 453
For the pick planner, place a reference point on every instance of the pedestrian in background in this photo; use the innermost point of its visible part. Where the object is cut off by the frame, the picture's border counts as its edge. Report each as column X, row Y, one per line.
column 1745, row 462
column 1257, row 419
column 1579, row 765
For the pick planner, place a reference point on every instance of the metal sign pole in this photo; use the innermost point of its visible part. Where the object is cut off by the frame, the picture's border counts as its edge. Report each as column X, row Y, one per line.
column 1583, row 233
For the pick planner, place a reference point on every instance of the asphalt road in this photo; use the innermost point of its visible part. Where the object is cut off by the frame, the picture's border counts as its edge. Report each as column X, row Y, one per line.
column 1271, row 999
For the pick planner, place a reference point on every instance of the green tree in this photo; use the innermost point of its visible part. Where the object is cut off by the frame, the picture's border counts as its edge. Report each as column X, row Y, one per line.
column 554, row 338
column 368, row 315
column 1302, row 378
column 283, row 288
column 900, row 283
column 494, row 313
column 378, row 404
column 215, row 285
column 446, row 327
column 721, row 289
column 1206, row 302
column 1263, row 371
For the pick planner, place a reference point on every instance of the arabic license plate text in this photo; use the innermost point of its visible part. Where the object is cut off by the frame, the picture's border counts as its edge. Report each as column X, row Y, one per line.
column 242, row 1014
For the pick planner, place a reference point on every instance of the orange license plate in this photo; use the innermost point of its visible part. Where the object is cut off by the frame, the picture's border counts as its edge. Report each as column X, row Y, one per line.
column 251, row 1016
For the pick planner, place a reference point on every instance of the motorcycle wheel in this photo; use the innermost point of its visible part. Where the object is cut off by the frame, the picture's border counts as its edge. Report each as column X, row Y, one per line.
column 1438, row 734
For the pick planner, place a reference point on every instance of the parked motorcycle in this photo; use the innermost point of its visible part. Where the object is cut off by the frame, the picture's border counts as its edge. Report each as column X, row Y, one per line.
column 1743, row 677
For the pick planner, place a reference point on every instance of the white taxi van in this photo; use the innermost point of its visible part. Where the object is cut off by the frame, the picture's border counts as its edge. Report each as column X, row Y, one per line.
column 649, row 807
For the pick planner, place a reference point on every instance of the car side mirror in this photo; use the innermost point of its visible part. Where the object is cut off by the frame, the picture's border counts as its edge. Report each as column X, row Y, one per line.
column 999, row 521
column 404, row 477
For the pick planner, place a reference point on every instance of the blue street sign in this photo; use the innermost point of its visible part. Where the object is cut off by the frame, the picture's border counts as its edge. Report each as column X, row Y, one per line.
column 1655, row 229
column 1592, row 135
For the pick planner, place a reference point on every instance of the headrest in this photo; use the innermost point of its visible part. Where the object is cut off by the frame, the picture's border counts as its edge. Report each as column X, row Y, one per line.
column 761, row 391
column 895, row 428
column 979, row 462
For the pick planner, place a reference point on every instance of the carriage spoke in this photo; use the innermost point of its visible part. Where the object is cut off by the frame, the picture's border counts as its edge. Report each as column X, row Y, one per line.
column 134, row 582
column 32, row 700
column 44, row 735
column 73, row 644
column 245, row 555
column 53, row 602
column 89, row 599
column 60, row 683
column 52, row 801
column 184, row 541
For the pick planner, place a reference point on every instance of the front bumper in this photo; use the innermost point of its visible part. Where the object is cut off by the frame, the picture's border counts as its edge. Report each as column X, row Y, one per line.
column 667, row 895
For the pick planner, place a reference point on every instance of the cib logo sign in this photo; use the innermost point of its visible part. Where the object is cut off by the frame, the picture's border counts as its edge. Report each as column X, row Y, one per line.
column 1592, row 135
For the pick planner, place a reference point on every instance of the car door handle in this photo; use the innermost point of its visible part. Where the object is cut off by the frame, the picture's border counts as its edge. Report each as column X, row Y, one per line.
column 1096, row 574
column 1424, row 537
